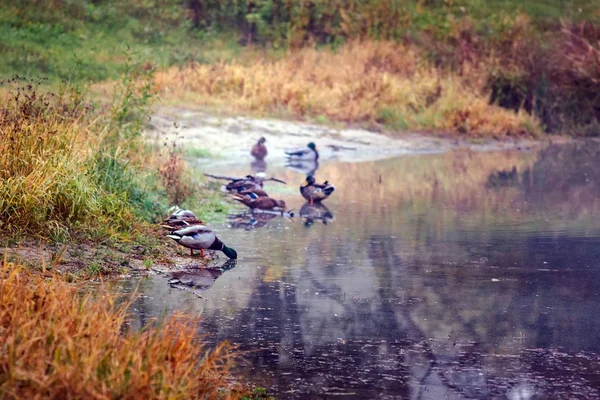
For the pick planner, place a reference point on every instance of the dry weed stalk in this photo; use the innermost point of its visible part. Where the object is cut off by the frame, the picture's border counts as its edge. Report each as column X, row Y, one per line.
column 172, row 172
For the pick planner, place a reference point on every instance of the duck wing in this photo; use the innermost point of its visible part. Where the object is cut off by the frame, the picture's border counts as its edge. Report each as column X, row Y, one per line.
column 193, row 230
column 299, row 152
column 253, row 193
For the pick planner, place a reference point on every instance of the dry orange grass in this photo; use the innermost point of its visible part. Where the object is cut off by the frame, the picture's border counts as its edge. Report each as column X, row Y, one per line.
column 364, row 81
column 57, row 344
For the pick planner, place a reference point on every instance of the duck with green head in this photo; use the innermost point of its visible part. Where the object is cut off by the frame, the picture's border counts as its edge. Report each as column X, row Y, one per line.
column 200, row 237
column 308, row 153
column 315, row 192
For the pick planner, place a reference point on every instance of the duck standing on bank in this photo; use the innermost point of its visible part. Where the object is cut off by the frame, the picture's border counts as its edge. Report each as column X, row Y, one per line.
column 180, row 219
column 259, row 150
column 315, row 192
column 308, row 153
column 200, row 237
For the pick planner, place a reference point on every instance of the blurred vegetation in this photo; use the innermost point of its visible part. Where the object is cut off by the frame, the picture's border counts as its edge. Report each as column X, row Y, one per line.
column 540, row 56
column 72, row 169
column 83, row 346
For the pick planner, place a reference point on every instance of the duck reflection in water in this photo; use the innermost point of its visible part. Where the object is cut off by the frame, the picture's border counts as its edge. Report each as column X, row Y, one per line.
column 258, row 166
column 250, row 220
column 315, row 212
column 199, row 278
column 308, row 167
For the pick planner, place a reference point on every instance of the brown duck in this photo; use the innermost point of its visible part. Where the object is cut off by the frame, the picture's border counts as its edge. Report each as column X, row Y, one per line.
column 260, row 203
column 180, row 219
column 259, row 150
column 315, row 192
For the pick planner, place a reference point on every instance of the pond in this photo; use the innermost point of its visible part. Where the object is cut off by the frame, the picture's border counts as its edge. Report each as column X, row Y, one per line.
column 456, row 275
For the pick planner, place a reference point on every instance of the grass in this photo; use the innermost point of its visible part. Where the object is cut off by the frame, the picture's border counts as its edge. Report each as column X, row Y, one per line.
column 398, row 88
column 198, row 152
column 72, row 169
column 57, row 343
column 538, row 58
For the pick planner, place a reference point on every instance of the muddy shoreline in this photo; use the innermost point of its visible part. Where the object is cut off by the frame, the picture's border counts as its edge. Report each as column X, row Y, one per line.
column 229, row 138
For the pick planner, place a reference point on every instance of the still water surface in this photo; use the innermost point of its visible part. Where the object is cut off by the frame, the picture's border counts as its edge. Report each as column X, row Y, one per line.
column 455, row 275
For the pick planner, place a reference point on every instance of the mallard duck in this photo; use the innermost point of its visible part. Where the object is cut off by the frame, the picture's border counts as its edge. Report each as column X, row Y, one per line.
column 180, row 219
column 260, row 203
column 200, row 237
column 259, row 150
column 247, row 183
column 253, row 193
column 305, row 153
column 315, row 192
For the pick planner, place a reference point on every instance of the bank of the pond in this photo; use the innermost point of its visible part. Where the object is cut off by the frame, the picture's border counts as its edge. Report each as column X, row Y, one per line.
column 209, row 138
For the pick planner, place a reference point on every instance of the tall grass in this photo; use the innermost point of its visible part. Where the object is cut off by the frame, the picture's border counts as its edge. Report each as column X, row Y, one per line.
column 56, row 343
column 72, row 169
column 46, row 143
column 363, row 81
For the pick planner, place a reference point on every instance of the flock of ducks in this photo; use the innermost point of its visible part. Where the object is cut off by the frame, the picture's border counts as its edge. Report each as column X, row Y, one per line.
column 188, row 231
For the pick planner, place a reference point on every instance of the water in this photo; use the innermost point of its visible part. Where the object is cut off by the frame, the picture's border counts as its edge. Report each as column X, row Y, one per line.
column 455, row 275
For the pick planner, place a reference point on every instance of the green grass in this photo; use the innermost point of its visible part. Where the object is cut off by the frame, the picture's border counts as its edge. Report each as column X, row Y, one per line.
column 198, row 152
column 36, row 42
column 88, row 41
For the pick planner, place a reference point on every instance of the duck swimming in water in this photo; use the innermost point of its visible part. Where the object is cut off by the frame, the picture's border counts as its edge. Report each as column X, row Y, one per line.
column 308, row 153
column 315, row 192
column 200, row 237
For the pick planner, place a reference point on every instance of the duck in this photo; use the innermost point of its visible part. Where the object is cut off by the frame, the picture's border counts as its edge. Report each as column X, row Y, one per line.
column 308, row 153
column 253, row 193
column 259, row 150
column 315, row 192
column 180, row 219
column 260, row 203
column 249, row 182
column 200, row 237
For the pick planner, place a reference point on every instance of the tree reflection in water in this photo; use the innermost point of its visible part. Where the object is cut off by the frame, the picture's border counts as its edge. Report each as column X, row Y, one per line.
column 431, row 284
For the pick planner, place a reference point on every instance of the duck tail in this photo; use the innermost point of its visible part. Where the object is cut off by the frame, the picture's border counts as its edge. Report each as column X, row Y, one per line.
column 174, row 237
column 328, row 190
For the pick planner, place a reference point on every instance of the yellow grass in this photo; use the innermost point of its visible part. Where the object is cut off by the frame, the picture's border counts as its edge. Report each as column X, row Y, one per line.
column 47, row 144
column 362, row 82
column 56, row 343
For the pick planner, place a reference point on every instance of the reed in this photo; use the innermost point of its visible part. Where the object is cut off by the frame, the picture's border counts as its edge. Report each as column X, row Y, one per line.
column 56, row 343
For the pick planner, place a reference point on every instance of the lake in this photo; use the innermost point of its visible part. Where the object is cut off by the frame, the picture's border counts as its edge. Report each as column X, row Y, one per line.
column 455, row 275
